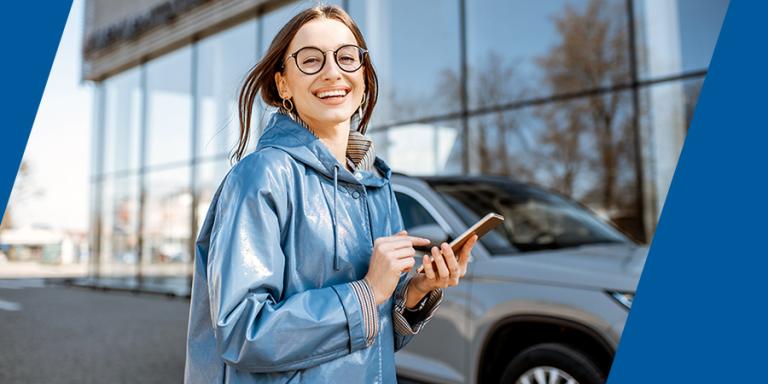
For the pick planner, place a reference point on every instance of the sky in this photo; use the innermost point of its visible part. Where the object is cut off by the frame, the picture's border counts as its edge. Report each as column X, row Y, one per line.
column 58, row 149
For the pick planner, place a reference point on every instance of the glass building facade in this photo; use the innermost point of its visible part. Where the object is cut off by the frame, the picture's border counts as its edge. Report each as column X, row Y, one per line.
column 589, row 98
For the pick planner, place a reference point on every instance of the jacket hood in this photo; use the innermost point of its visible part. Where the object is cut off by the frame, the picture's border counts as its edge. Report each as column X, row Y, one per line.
column 285, row 134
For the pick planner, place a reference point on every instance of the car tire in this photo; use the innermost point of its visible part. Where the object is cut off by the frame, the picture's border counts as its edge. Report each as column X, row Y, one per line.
column 565, row 359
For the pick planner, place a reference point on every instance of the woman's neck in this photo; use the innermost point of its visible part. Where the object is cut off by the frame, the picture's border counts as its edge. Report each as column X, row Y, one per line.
column 335, row 137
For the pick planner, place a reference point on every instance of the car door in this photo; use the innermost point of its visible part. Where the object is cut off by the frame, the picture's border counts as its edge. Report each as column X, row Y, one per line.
column 439, row 352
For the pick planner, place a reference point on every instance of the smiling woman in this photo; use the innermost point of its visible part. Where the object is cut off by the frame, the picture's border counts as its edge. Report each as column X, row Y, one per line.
column 303, row 272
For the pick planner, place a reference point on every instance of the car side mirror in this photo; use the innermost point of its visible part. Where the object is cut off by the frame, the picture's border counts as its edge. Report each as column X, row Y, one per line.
column 433, row 232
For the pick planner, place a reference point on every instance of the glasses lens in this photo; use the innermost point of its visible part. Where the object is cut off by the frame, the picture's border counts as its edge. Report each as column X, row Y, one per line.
column 309, row 60
column 349, row 58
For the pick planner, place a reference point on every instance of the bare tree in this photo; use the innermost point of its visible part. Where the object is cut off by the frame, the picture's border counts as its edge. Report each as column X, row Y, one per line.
column 23, row 190
column 592, row 54
column 492, row 81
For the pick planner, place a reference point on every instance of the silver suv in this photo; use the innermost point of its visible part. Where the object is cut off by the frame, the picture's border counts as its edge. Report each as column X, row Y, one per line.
column 545, row 298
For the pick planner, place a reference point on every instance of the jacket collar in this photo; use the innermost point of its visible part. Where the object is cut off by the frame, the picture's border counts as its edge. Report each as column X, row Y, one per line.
column 285, row 134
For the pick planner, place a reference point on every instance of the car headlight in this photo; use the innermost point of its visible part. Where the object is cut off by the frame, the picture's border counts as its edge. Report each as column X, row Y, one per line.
column 623, row 298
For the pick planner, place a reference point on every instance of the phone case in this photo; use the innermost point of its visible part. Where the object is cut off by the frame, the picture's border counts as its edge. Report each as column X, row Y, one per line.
column 480, row 228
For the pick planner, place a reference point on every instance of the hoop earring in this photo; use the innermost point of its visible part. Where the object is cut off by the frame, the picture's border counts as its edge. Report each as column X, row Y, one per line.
column 289, row 102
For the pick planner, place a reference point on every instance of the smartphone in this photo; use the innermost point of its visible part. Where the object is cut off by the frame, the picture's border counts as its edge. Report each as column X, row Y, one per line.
column 480, row 228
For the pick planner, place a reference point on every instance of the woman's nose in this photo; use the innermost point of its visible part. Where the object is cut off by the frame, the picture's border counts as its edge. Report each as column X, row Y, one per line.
column 331, row 70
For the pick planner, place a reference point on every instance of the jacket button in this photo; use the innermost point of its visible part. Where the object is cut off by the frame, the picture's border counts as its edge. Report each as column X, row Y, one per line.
column 355, row 194
column 358, row 175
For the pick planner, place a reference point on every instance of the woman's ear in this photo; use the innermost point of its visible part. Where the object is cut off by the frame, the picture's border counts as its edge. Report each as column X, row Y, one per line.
column 282, row 87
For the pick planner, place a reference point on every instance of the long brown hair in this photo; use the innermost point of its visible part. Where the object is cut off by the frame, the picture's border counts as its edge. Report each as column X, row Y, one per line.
column 261, row 78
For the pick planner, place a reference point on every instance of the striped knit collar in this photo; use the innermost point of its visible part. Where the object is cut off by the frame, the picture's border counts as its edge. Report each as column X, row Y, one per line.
column 361, row 153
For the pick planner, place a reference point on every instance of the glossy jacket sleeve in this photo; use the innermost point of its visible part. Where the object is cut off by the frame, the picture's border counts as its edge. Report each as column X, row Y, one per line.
column 257, row 328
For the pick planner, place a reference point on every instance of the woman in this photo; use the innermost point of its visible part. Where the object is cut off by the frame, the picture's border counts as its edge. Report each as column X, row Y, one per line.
column 300, row 263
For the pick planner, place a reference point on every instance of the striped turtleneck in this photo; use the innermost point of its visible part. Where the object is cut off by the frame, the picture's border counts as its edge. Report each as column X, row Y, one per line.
column 361, row 153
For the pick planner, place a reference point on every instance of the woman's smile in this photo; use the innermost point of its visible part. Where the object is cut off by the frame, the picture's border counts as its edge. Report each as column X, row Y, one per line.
column 332, row 95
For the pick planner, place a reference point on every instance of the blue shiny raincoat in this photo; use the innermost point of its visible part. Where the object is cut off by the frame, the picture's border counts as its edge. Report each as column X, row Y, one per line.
column 287, row 231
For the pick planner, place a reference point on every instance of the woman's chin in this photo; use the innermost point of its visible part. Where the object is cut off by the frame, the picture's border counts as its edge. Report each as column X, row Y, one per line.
column 332, row 116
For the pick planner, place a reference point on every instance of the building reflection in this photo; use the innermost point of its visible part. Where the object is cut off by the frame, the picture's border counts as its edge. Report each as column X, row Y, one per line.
column 590, row 98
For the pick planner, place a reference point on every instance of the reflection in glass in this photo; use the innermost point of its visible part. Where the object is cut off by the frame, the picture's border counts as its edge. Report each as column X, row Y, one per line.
column 546, row 48
column 119, row 236
column 666, row 110
column 582, row 148
column 122, row 121
column 223, row 61
column 414, row 214
column 94, row 228
column 676, row 36
column 209, row 176
column 534, row 219
column 416, row 62
column 421, row 149
column 167, row 223
column 169, row 108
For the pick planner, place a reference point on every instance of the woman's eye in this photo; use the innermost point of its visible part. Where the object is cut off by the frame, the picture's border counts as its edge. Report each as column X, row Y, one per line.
column 347, row 59
column 311, row 60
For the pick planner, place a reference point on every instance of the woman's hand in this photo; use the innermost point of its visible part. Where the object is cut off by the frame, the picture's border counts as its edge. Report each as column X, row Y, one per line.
column 449, row 268
column 391, row 256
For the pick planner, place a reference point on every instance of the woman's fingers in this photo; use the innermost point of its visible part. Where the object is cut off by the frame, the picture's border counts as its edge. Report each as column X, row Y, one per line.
column 404, row 241
column 427, row 263
column 442, row 268
column 466, row 250
column 405, row 265
column 450, row 261
column 403, row 253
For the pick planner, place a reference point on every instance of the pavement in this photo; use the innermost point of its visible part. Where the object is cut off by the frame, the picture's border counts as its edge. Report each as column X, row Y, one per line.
column 52, row 333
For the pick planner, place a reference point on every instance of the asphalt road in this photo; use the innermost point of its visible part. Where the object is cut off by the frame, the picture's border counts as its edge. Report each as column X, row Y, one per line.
column 64, row 334
column 55, row 333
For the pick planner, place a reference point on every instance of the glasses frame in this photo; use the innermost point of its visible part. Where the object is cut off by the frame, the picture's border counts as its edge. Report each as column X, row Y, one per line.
column 362, row 51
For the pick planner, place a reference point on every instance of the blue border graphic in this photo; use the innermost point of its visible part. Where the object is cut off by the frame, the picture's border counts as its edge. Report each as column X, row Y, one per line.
column 30, row 33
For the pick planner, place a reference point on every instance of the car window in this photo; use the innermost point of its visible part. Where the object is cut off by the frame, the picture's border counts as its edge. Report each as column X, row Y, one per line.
column 534, row 218
column 414, row 214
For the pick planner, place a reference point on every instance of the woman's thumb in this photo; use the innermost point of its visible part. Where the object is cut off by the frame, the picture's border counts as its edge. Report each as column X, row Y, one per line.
column 402, row 233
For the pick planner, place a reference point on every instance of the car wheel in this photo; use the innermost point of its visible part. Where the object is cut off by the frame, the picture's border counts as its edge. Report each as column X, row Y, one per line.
column 551, row 363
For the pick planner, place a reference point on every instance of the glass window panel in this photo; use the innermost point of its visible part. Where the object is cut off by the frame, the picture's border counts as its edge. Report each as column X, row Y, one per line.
column 417, row 63
column 97, row 131
column 119, row 235
column 413, row 213
column 169, row 108
column 519, row 50
column 94, row 228
column 582, row 148
column 122, row 121
column 107, row 218
column 421, row 148
column 210, row 175
column 675, row 37
column 167, row 223
column 666, row 111
column 223, row 61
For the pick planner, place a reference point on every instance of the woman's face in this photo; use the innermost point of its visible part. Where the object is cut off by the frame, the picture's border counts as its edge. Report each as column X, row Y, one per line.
column 311, row 99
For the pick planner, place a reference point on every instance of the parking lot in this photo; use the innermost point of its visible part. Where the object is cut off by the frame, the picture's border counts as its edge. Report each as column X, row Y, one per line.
column 64, row 334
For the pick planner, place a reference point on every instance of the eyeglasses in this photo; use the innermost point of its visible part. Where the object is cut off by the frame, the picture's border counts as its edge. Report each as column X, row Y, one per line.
column 311, row 60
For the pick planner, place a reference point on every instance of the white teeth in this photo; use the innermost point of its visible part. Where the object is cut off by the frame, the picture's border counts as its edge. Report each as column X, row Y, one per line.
column 339, row 92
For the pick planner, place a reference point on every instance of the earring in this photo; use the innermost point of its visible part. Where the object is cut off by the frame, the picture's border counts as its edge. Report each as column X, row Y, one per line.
column 289, row 109
column 360, row 108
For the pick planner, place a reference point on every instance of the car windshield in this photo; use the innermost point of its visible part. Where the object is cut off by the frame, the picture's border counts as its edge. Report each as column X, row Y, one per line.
column 534, row 219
